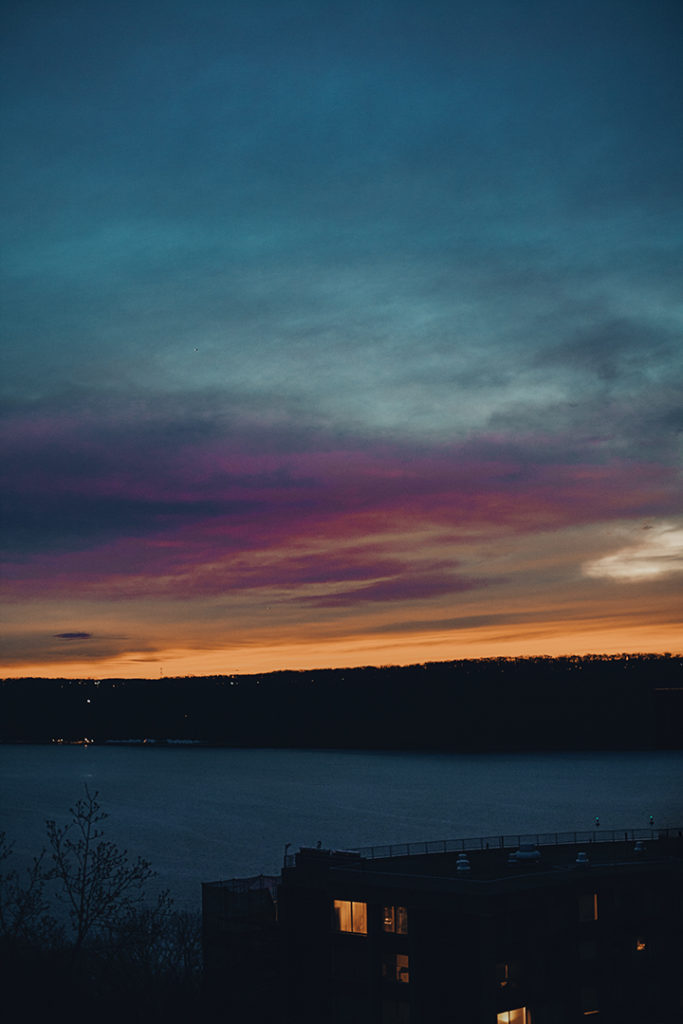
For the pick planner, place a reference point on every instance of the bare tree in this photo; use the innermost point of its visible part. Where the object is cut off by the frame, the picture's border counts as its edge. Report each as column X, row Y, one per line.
column 112, row 950
column 98, row 883
column 24, row 910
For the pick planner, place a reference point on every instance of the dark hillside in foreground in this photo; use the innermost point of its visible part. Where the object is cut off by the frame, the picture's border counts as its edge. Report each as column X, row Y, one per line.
column 589, row 702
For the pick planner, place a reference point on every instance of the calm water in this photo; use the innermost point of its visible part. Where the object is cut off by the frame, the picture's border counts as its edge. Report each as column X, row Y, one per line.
column 204, row 814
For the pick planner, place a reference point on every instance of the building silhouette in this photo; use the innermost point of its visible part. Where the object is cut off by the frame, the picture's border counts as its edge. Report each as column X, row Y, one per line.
column 501, row 930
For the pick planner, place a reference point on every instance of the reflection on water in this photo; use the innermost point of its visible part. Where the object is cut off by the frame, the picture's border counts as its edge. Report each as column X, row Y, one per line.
column 204, row 814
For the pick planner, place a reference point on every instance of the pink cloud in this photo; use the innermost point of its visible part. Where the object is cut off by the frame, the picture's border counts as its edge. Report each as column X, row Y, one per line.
column 143, row 506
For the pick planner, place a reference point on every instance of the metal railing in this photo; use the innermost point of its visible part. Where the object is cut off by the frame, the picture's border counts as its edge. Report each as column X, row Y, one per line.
column 239, row 886
column 540, row 839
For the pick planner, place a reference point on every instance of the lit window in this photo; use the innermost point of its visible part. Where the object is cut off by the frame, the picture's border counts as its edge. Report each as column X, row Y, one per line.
column 641, row 944
column 351, row 917
column 519, row 1016
column 396, row 920
column 588, row 907
column 395, row 967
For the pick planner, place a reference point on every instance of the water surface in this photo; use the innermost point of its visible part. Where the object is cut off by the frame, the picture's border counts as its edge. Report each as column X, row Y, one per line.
column 201, row 814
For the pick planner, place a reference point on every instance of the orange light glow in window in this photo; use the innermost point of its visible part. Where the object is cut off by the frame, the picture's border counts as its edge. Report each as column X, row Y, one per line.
column 351, row 917
column 518, row 1016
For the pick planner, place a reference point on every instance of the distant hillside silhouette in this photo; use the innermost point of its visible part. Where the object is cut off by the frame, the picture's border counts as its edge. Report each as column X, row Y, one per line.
column 539, row 703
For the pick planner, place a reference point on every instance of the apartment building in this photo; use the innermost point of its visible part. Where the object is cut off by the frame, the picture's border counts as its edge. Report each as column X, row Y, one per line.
column 501, row 930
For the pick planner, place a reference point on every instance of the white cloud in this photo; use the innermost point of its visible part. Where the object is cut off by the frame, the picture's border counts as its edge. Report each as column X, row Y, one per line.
column 658, row 551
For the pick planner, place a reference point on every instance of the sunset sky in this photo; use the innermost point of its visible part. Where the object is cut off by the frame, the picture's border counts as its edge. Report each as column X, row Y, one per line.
column 339, row 333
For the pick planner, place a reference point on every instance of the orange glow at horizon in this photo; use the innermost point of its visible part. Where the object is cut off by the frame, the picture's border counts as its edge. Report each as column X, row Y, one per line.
column 388, row 599
column 543, row 639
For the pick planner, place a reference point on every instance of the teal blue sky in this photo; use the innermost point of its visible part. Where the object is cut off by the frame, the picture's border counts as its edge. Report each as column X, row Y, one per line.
column 296, row 280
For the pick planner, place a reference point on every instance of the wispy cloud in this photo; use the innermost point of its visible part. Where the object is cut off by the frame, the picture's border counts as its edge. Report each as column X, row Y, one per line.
column 314, row 308
column 656, row 552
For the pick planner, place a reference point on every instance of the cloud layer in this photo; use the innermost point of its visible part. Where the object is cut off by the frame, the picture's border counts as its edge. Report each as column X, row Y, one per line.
column 332, row 327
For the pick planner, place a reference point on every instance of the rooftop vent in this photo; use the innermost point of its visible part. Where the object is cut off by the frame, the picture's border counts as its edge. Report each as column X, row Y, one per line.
column 526, row 854
column 462, row 865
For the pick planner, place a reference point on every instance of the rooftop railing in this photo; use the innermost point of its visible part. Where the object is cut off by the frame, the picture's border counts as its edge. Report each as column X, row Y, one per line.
column 513, row 841
column 239, row 886
column 501, row 842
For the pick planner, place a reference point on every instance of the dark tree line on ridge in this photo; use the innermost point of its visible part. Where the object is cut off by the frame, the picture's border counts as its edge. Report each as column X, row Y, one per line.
column 537, row 703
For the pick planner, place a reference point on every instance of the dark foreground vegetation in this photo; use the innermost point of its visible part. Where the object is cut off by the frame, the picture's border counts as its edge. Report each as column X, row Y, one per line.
column 589, row 702
column 79, row 940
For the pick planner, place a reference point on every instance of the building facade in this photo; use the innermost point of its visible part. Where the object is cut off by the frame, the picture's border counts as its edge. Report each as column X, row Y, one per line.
column 550, row 930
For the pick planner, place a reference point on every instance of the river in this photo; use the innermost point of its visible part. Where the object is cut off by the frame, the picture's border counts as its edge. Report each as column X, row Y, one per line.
column 201, row 814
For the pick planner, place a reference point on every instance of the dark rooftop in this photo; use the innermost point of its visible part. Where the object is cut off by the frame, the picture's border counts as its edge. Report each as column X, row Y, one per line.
column 484, row 859
column 501, row 858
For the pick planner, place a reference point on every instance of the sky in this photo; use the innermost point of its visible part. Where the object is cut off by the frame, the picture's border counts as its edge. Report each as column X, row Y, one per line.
column 339, row 333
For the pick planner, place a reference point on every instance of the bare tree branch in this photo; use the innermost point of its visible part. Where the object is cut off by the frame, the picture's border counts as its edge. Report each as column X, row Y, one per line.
column 24, row 909
column 98, row 883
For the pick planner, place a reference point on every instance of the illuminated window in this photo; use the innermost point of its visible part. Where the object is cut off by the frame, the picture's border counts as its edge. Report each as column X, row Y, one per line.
column 588, row 907
column 396, row 920
column 351, row 917
column 395, row 968
column 641, row 944
column 520, row 1016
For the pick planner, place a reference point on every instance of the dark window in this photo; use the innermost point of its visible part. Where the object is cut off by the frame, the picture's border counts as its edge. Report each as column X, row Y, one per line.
column 588, row 907
column 507, row 973
column 395, row 967
column 589, row 1001
column 394, row 1011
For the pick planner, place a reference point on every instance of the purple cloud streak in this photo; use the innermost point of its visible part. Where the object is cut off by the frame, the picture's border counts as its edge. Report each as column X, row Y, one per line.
column 115, row 505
